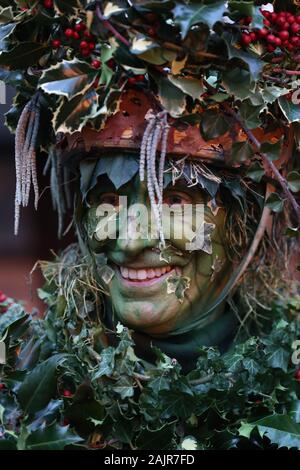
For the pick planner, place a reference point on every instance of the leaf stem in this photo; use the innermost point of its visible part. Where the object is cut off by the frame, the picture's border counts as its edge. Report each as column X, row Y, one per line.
column 287, row 72
column 268, row 163
column 110, row 27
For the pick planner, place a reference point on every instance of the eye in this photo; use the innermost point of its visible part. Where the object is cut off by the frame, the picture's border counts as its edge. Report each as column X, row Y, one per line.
column 177, row 198
column 109, row 198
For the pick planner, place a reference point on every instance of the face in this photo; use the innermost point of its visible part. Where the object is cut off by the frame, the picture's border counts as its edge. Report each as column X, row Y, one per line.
column 159, row 291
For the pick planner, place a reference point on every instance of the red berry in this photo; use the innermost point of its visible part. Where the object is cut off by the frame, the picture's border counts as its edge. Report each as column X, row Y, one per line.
column 273, row 17
column 67, row 393
column 48, row 3
column 66, row 422
column 283, row 35
column 270, row 48
column 246, row 39
column 297, row 374
column 253, row 36
column 88, row 35
column 290, row 19
column 3, row 297
column 294, row 40
column 96, row 82
column 247, row 20
column 92, row 46
column 140, row 78
column 132, row 80
column 295, row 28
column 297, row 19
column 86, row 52
column 290, row 47
column 267, row 23
column 271, row 38
column 76, row 35
column 96, row 64
column 56, row 43
column 280, row 21
column 111, row 63
column 277, row 42
column 84, row 45
column 80, row 27
column 265, row 13
column 152, row 32
column 263, row 32
column 2, row 387
column 288, row 96
column 69, row 32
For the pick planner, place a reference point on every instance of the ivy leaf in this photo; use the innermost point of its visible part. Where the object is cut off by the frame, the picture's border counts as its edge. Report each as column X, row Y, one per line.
column 39, row 386
column 271, row 93
column 241, row 151
column 251, row 366
column 256, row 172
column 278, row 357
column 158, row 439
column 53, row 437
column 213, row 124
column 68, row 78
column 280, row 429
column 271, row 150
column 237, row 81
column 187, row 16
column 293, row 180
column 250, row 114
column 190, row 86
column 290, row 110
column 171, row 97
column 274, row 202
column 71, row 116
column 23, row 55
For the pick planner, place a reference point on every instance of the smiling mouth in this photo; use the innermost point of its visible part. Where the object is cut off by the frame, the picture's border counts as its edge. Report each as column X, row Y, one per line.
column 146, row 276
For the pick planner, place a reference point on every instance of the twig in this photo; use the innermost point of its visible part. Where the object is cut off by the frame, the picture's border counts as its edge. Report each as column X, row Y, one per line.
column 110, row 27
column 269, row 164
column 287, row 72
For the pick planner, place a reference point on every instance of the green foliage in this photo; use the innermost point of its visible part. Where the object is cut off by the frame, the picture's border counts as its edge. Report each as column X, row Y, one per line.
column 245, row 397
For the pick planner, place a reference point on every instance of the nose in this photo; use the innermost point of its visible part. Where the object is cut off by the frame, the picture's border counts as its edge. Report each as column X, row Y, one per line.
column 137, row 236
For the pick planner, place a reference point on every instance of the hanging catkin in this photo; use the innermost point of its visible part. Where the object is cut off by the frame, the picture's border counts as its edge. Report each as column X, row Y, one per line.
column 25, row 156
column 156, row 133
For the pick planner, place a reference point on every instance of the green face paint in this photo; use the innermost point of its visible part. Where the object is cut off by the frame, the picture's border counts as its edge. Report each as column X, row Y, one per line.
column 159, row 292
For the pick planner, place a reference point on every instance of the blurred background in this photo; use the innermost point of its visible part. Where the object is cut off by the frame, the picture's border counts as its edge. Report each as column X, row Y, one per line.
column 38, row 230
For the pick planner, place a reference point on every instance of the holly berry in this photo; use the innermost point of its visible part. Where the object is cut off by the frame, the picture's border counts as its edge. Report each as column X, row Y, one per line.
column 69, row 32
column 271, row 38
column 277, row 42
column 2, row 387
column 152, row 32
column 88, row 35
column 297, row 374
column 246, row 39
column 267, row 23
column 3, row 298
column 270, row 48
column 253, row 36
column 96, row 82
column 96, row 64
column 263, row 32
column 86, row 52
column 297, row 19
column 91, row 46
column 84, row 45
column 284, row 35
column 48, row 4
column 67, row 393
column 76, row 35
column 247, row 20
column 80, row 27
column 56, row 43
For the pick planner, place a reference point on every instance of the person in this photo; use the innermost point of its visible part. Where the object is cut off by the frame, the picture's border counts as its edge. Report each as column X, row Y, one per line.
column 169, row 295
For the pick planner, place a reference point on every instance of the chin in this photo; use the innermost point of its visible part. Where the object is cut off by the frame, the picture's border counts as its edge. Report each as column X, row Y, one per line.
column 144, row 316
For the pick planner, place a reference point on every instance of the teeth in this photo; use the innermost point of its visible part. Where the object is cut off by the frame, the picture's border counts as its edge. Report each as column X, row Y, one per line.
column 145, row 273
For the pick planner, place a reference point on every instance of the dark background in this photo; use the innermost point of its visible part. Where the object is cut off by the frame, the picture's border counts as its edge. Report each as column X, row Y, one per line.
column 38, row 230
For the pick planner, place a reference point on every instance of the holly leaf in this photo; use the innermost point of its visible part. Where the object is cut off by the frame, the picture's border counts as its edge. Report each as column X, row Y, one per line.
column 142, row 43
column 71, row 116
column 114, row 8
column 11, row 318
column 68, row 78
column 252, row 61
column 39, row 386
column 67, row 7
column 293, row 180
column 290, row 110
column 274, row 202
column 280, row 429
column 6, row 30
column 213, row 124
column 187, row 16
column 53, row 437
column 23, row 55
